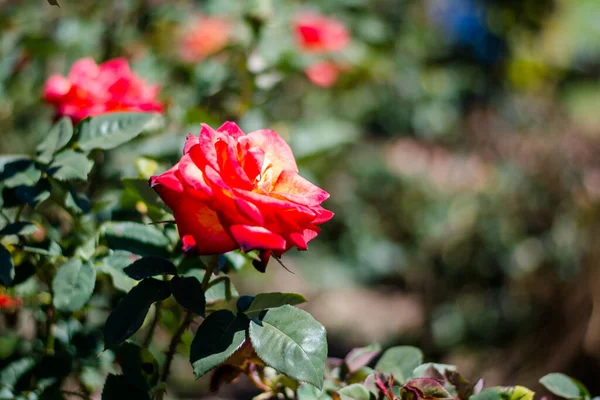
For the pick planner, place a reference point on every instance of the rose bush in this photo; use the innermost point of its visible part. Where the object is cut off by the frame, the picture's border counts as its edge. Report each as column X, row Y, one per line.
column 232, row 190
column 91, row 89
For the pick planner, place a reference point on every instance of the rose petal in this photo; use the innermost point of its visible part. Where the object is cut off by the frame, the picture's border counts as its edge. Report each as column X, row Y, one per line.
column 56, row 87
column 256, row 237
column 231, row 129
column 230, row 168
column 190, row 140
column 299, row 190
column 193, row 176
column 276, row 150
column 249, row 211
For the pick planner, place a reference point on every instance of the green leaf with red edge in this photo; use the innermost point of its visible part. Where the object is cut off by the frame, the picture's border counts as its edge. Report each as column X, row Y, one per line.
column 219, row 336
column 292, row 342
column 361, row 356
column 130, row 313
column 188, row 292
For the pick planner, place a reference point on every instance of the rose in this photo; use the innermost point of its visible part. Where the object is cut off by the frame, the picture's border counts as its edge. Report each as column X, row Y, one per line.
column 202, row 37
column 9, row 302
column 231, row 190
column 92, row 89
column 324, row 73
column 316, row 33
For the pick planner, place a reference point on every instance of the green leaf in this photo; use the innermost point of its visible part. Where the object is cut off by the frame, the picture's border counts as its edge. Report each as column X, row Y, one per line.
column 562, row 386
column 73, row 285
column 20, row 173
column 219, row 336
column 354, row 392
column 70, row 164
column 12, row 372
column 56, row 139
column 400, row 361
column 149, row 266
column 117, row 387
column 264, row 301
column 7, row 267
column 108, row 131
column 129, row 315
column 19, row 228
column 419, row 372
column 77, row 202
column 139, row 366
column 220, row 288
column 492, row 393
column 114, row 264
column 188, row 292
column 136, row 238
column 292, row 342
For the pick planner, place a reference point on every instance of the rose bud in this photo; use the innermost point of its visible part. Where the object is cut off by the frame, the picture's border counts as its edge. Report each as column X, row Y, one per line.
column 92, row 89
column 236, row 191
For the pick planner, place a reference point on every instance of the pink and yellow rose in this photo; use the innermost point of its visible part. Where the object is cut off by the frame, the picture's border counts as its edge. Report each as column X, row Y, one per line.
column 236, row 191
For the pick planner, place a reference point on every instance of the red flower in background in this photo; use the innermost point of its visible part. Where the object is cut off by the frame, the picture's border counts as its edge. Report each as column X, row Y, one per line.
column 91, row 89
column 202, row 37
column 231, row 190
column 9, row 302
column 318, row 34
column 324, row 73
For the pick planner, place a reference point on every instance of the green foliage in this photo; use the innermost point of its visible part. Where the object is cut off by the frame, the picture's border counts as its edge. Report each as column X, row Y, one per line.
column 147, row 267
column 111, row 130
column 73, row 285
column 69, row 165
column 400, row 362
column 58, row 137
column 355, row 392
column 264, row 301
column 19, row 228
column 130, row 313
column 188, row 292
column 291, row 341
column 219, row 336
column 564, row 386
column 7, row 268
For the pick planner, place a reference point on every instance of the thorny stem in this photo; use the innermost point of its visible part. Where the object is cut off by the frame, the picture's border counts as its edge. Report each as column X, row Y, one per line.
column 177, row 336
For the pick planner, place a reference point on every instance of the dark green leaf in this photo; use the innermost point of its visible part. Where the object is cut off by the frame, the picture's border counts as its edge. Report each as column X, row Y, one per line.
column 129, row 315
column 56, row 139
column 264, row 301
column 244, row 302
column 7, row 267
column 117, row 387
column 292, row 342
column 219, row 336
column 139, row 366
column 108, row 131
column 354, row 392
column 73, row 285
column 150, row 266
column 19, row 228
column 136, row 238
column 12, row 372
column 53, row 3
column 188, row 292
column 562, row 386
column 70, row 164
column 77, row 202
column 20, row 173
column 400, row 362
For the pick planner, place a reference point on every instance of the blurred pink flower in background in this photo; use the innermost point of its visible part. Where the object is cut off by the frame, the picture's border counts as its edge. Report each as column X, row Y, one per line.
column 203, row 36
column 319, row 34
column 91, row 89
column 324, row 73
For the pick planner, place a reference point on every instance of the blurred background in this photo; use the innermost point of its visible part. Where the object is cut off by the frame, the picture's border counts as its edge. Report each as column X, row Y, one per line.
column 459, row 140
